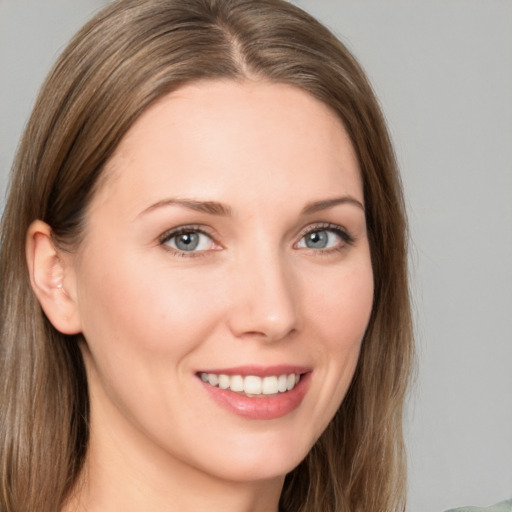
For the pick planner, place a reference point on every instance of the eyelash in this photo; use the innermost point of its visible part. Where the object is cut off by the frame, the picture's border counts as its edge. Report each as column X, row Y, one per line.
column 344, row 235
column 182, row 230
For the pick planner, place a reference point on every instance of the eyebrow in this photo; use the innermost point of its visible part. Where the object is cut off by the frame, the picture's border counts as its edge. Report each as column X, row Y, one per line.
column 209, row 207
column 216, row 208
column 318, row 206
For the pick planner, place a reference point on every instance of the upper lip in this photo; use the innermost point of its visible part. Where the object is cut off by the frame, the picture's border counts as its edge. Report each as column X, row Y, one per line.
column 260, row 371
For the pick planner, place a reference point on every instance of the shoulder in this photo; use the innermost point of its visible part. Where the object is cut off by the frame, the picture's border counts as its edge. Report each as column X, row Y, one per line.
column 504, row 506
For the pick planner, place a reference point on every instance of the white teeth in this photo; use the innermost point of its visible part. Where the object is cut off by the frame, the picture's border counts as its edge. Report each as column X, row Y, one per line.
column 252, row 384
column 223, row 382
column 237, row 383
column 281, row 383
column 213, row 379
column 269, row 385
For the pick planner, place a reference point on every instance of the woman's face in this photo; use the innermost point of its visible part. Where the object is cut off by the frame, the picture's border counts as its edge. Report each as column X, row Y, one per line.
column 224, row 283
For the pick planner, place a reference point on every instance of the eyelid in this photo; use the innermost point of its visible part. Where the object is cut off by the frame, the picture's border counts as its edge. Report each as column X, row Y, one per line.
column 186, row 228
column 342, row 232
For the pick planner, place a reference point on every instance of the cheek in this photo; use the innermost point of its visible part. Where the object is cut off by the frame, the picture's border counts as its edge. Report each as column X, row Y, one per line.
column 343, row 307
column 341, row 315
column 338, row 310
column 142, row 311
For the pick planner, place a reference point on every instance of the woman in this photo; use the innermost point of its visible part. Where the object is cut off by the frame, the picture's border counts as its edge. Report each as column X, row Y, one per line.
column 204, row 283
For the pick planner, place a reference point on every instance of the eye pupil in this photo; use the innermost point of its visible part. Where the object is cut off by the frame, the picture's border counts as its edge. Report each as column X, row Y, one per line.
column 317, row 240
column 187, row 241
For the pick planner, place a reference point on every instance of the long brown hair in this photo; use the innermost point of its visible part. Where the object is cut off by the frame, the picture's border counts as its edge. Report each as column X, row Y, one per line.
column 128, row 56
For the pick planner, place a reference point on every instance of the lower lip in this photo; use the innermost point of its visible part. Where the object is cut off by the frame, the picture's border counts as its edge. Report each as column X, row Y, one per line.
column 263, row 407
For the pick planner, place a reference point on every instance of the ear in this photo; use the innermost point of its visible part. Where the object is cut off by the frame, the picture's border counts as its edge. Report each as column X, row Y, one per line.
column 53, row 278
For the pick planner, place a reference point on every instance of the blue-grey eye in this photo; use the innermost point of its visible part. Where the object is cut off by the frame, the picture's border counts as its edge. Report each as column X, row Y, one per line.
column 189, row 241
column 320, row 239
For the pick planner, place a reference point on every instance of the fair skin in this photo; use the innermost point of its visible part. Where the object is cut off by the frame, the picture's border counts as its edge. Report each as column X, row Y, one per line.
column 269, row 275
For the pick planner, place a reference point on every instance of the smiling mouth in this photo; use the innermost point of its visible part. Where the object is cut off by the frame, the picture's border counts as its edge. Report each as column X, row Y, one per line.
column 252, row 385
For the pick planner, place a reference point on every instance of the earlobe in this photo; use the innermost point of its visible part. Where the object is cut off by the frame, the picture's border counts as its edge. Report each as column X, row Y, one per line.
column 52, row 278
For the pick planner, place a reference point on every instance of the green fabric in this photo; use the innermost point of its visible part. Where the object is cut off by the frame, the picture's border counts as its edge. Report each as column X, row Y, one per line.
column 504, row 506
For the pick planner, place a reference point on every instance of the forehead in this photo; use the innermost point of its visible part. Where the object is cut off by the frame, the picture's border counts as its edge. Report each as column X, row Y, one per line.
column 222, row 136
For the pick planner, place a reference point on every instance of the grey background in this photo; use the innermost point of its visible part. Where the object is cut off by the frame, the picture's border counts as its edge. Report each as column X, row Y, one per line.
column 443, row 72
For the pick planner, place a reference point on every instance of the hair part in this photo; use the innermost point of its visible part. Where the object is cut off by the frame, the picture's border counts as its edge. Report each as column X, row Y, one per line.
column 130, row 55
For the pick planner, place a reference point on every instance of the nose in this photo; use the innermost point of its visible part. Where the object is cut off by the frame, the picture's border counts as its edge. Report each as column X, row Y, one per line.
column 264, row 299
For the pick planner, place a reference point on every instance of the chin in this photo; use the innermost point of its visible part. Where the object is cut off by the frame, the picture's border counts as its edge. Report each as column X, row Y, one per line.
column 261, row 460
